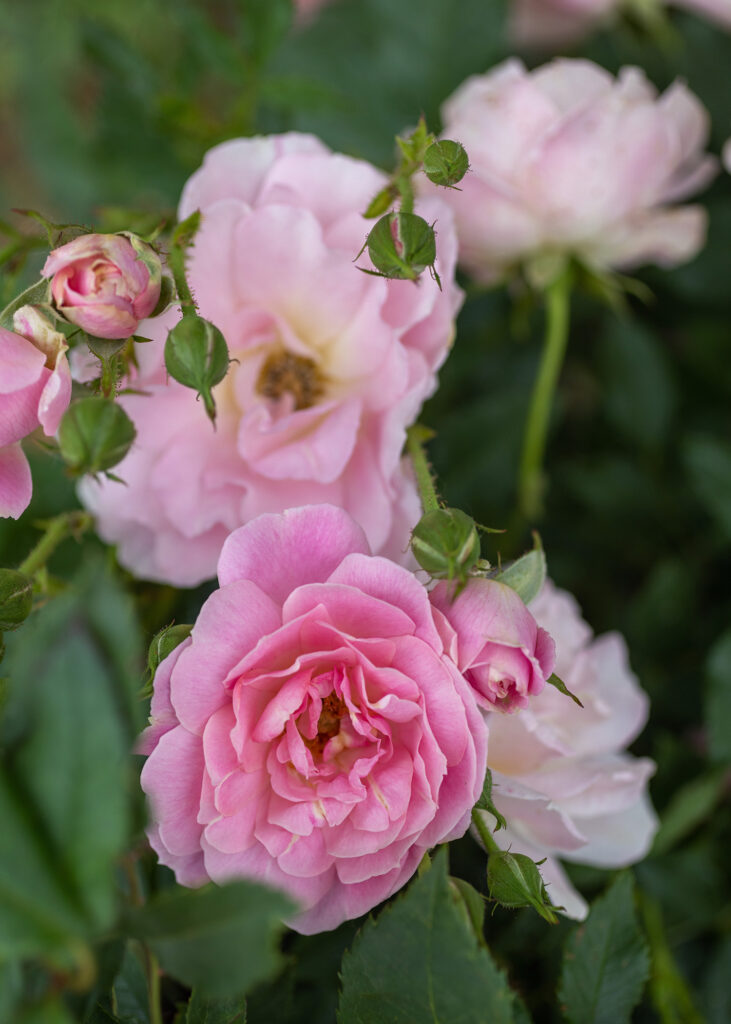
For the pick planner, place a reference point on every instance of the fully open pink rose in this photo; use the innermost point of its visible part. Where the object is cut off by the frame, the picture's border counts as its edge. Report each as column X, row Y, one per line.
column 560, row 774
column 35, row 389
column 567, row 159
column 311, row 733
column 330, row 366
column 105, row 284
column 504, row 655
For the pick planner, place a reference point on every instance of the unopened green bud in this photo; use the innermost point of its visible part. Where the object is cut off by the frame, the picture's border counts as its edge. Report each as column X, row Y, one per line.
column 401, row 246
column 95, row 434
column 165, row 643
column 196, row 355
column 514, row 881
column 445, row 542
column 446, row 162
column 16, row 598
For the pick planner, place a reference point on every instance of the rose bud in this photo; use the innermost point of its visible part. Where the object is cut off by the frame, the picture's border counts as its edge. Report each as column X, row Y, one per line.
column 504, row 655
column 95, row 434
column 16, row 598
column 445, row 542
column 196, row 355
column 446, row 162
column 165, row 642
column 105, row 284
column 401, row 246
column 514, row 881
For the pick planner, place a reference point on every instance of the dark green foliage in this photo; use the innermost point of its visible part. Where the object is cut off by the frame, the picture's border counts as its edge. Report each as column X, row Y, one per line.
column 606, row 963
column 420, row 961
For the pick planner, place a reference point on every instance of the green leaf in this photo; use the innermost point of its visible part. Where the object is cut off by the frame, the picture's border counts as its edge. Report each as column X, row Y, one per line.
column 130, row 990
column 69, row 705
column 690, row 806
column 606, row 963
column 11, row 987
column 718, row 699
column 527, row 574
column 421, row 962
column 636, row 382
column 36, row 295
column 669, row 989
column 561, row 686
column 50, row 1011
column 708, row 464
column 223, row 940
column 204, row 1010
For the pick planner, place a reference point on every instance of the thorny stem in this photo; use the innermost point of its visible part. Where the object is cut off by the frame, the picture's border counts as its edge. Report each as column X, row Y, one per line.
column 415, row 437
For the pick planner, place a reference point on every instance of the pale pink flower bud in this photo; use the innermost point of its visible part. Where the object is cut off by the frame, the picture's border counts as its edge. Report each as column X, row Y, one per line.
column 501, row 651
column 105, row 284
column 568, row 160
column 561, row 775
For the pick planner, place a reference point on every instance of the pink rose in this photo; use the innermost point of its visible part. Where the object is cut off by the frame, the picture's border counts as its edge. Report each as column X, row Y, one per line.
column 331, row 366
column 567, row 159
column 35, row 390
column 560, row 773
column 545, row 24
column 105, row 284
column 311, row 733
column 501, row 651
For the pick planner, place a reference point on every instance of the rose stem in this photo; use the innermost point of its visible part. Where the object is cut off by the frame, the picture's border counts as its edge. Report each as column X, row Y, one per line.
column 58, row 529
column 484, row 832
column 415, row 437
column 530, row 481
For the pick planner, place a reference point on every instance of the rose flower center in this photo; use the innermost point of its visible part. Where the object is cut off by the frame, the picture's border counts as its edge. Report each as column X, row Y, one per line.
column 298, row 375
column 328, row 724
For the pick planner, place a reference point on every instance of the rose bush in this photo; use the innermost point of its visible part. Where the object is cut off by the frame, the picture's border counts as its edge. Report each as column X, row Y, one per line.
column 331, row 365
column 567, row 159
column 503, row 654
column 312, row 732
column 105, row 284
column 35, row 389
column 560, row 774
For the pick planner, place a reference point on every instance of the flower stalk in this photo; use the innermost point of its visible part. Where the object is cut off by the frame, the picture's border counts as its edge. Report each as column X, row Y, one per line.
column 531, row 478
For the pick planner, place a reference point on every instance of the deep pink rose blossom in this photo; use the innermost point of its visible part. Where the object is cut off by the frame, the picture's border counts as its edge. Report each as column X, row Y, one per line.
column 105, row 284
column 35, row 390
column 311, row 733
column 566, row 159
column 560, row 772
column 504, row 655
column 330, row 366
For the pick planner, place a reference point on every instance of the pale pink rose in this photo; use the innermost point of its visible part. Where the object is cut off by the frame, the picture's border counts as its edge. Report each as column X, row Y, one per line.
column 543, row 24
column 568, row 159
column 330, row 365
column 105, row 284
column 312, row 733
column 35, row 390
column 501, row 651
column 560, row 772
column 717, row 10
column 546, row 24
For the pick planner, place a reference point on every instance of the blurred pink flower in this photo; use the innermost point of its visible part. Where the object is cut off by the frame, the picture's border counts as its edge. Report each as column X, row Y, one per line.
column 35, row 390
column 547, row 24
column 105, row 284
column 311, row 733
column 568, row 159
column 331, row 365
column 504, row 656
column 561, row 776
